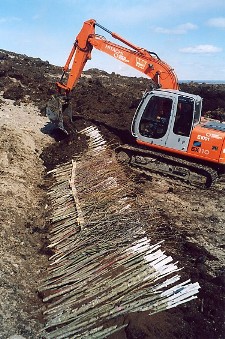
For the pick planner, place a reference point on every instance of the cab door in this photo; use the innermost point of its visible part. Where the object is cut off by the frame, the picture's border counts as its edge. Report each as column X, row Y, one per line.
column 152, row 122
column 165, row 119
column 181, row 124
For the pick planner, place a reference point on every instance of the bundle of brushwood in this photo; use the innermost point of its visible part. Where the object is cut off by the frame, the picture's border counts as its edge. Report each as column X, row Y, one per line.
column 103, row 266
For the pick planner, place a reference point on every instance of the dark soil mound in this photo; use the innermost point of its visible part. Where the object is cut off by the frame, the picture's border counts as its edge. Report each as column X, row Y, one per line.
column 107, row 99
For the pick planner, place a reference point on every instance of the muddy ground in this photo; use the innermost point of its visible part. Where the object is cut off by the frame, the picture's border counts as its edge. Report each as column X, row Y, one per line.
column 189, row 220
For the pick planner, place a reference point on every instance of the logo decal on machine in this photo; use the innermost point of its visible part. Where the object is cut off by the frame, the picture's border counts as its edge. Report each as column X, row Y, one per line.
column 214, row 136
column 202, row 137
column 197, row 144
column 207, row 136
column 117, row 53
column 140, row 63
column 197, row 148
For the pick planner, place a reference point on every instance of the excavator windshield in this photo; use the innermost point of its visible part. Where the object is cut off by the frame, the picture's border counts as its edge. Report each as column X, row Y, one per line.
column 155, row 119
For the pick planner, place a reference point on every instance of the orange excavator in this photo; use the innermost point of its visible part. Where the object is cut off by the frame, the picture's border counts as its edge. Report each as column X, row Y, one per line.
column 170, row 137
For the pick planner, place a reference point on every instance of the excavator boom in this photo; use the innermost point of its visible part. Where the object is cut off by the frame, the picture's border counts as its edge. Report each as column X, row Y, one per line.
column 139, row 58
column 161, row 73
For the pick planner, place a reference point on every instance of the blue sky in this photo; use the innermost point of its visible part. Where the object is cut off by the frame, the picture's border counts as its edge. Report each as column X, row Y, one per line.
column 188, row 35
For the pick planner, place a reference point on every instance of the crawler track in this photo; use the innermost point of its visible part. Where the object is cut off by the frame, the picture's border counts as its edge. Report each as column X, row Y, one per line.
column 148, row 161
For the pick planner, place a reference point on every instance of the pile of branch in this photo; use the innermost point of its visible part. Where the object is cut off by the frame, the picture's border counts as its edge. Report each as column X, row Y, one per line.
column 104, row 265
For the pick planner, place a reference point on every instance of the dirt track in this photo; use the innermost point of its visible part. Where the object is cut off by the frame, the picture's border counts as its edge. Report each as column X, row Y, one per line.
column 189, row 220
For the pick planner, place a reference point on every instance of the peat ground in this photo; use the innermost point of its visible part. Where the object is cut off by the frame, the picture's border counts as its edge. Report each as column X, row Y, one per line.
column 189, row 220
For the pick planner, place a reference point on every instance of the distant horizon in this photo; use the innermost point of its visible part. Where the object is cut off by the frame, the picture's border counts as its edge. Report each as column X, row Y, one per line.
column 139, row 75
column 219, row 82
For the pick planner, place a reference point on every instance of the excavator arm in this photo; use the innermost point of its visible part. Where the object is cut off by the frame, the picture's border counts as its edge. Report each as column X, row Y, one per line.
column 80, row 54
column 139, row 58
column 142, row 60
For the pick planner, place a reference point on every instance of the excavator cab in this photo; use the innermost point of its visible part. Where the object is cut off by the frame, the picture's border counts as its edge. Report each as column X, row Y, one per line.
column 166, row 118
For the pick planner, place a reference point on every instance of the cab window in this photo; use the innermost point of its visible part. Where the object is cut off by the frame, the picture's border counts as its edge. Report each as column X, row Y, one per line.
column 184, row 116
column 155, row 118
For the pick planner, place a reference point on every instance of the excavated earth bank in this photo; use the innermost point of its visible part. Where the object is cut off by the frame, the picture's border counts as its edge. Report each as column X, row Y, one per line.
column 189, row 220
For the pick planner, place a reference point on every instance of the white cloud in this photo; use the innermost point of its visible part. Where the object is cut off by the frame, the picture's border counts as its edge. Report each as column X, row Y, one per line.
column 36, row 17
column 217, row 22
column 201, row 49
column 9, row 19
column 180, row 29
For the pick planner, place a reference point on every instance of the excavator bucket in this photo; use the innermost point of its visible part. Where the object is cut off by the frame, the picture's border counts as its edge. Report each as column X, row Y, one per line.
column 57, row 109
